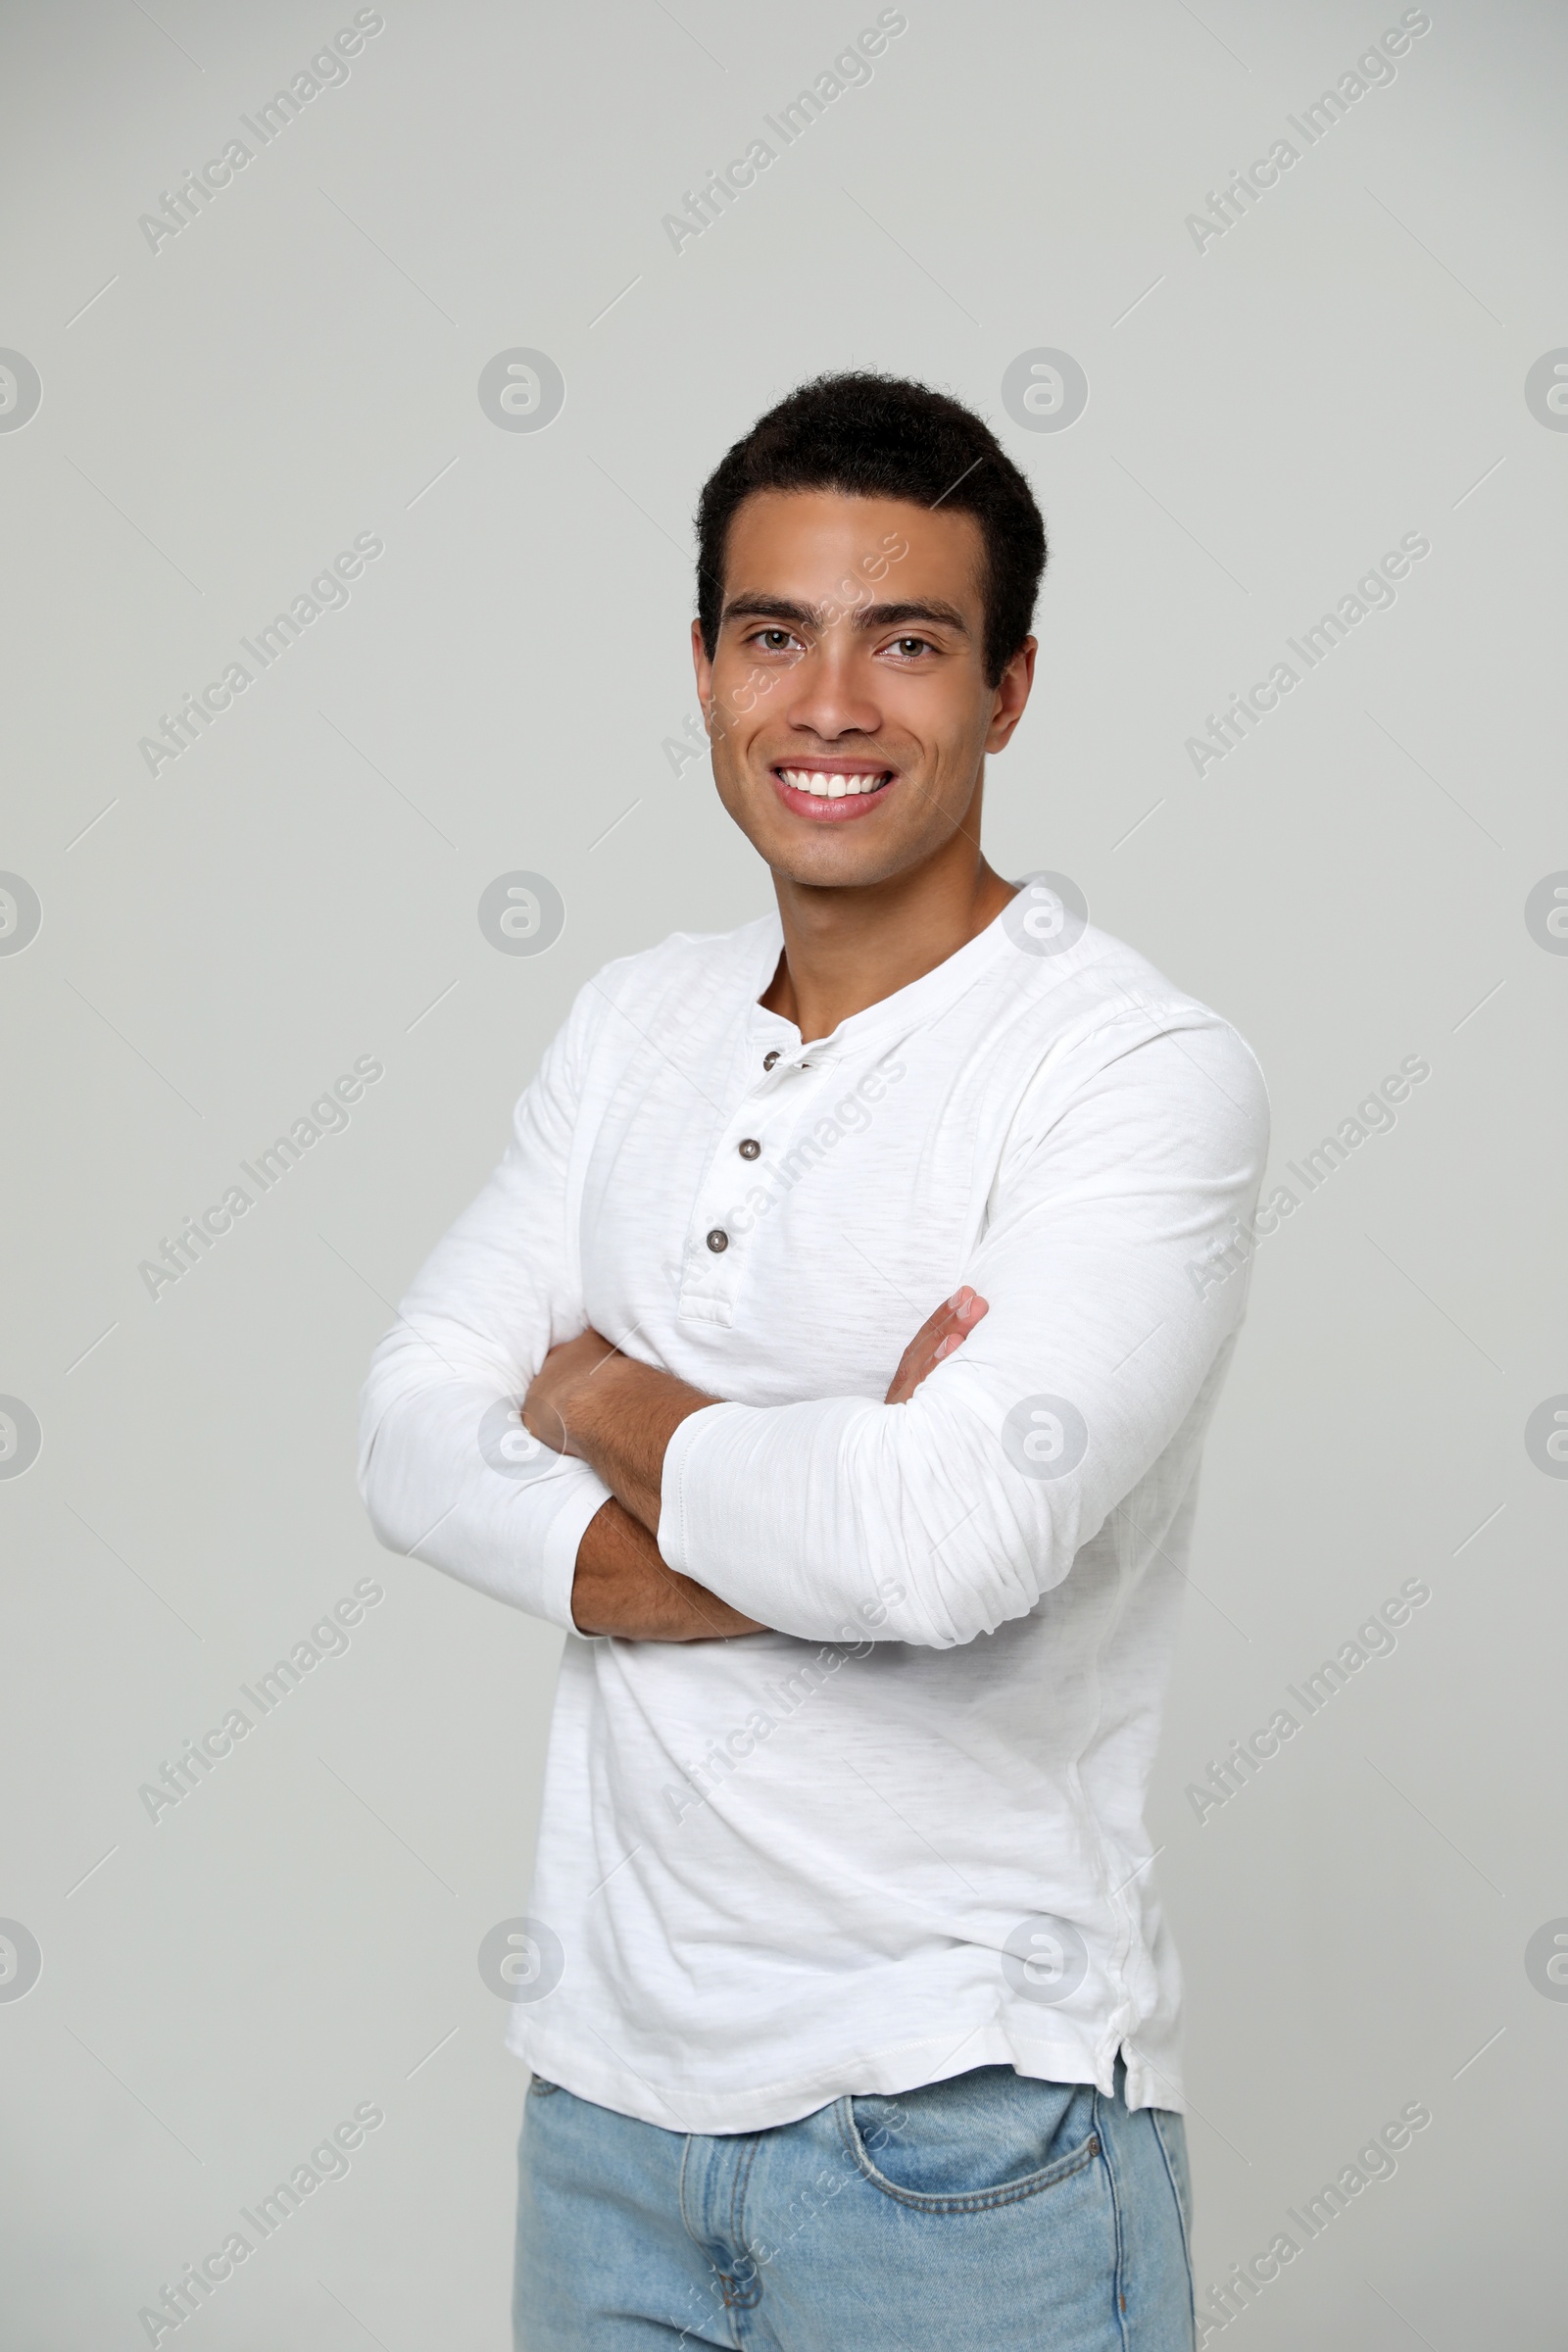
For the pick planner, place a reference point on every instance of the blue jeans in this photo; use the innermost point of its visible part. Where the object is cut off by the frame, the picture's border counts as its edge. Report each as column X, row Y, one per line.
column 989, row 2213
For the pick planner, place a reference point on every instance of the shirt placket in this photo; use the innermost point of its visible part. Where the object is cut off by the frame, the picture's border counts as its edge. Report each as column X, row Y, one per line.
column 787, row 1078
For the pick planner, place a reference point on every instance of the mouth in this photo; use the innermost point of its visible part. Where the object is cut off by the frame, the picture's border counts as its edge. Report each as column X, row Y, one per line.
column 833, row 794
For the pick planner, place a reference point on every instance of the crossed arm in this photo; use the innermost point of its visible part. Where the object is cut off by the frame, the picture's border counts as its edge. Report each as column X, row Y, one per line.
column 589, row 1401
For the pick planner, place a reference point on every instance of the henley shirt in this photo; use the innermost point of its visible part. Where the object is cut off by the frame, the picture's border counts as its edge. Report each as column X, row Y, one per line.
column 901, row 1835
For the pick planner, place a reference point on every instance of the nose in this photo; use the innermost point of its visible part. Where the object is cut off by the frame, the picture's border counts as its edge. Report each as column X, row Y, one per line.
column 832, row 689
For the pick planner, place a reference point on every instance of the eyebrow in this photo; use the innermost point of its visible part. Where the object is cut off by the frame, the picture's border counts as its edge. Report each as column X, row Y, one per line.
column 756, row 606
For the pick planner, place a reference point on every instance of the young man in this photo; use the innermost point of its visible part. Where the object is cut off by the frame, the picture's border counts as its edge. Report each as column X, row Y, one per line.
column 851, row 2009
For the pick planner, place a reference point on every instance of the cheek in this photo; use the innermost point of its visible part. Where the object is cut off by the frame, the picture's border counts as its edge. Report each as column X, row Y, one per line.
column 744, row 791
column 951, row 730
column 746, row 687
column 737, row 718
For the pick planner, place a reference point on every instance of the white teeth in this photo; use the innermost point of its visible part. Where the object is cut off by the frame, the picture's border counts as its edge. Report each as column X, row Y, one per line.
column 825, row 787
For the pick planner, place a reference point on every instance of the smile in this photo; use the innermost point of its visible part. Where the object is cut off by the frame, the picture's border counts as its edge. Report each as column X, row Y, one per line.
column 831, row 794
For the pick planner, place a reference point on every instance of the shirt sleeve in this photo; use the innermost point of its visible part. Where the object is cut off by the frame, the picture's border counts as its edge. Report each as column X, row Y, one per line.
column 1112, row 1222
column 447, row 1471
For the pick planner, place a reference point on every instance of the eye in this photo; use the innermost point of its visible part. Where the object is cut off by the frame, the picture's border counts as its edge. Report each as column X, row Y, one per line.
column 773, row 641
column 910, row 649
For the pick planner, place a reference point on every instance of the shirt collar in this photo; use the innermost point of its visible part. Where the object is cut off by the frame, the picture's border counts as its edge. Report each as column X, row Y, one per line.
column 892, row 1016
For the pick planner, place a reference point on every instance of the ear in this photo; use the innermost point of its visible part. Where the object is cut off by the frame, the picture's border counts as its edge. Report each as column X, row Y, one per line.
column 703, row 669
column 1011, row 695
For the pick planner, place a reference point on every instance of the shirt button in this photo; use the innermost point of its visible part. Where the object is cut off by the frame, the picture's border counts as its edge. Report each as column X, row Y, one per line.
column 750, row 1148
column 717, row 1240
column 769, row 1059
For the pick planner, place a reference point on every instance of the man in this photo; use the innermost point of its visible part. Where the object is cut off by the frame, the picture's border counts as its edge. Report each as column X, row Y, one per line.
column 852, row 2016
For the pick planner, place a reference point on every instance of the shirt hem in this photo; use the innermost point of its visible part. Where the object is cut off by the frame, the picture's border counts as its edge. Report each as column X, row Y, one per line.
column 904, row 2066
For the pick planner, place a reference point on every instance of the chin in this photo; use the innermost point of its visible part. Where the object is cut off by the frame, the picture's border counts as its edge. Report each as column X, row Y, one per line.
column 835, row 865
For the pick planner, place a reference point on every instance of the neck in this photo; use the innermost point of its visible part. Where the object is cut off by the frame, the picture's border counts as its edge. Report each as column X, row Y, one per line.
column 847, row 949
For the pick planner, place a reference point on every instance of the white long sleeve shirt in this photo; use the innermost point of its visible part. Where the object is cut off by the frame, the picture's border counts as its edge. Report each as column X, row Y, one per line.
column 902, row 1835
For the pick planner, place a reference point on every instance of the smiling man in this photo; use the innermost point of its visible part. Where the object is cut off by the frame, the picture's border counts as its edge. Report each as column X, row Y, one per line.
column 852, row 2014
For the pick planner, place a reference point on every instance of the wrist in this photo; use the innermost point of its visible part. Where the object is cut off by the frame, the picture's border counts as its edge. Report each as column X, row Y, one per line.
column 624, row 1589
column 622, row 1421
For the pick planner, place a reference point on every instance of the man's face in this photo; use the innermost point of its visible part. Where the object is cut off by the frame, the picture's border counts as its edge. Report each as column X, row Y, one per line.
column 846, row 700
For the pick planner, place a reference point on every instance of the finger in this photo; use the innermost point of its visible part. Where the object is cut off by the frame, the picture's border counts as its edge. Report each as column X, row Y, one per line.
column 959, row 1321
column 942, row 1332
column 955, row 1319
column 916, row 1366
column 940, row 1322
column 926, row 1340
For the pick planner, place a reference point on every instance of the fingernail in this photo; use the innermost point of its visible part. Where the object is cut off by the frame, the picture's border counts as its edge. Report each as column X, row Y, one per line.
column 954, row 1301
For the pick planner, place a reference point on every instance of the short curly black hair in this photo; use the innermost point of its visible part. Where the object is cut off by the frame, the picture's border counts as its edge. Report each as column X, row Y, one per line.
column 882, row 436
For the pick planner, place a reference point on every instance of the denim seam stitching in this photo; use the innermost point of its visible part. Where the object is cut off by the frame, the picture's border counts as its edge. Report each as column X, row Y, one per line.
column 680, row 2196
column 1119, row 2280
column 1011, row 2192
column 1181, row 2211
column 740, row 2244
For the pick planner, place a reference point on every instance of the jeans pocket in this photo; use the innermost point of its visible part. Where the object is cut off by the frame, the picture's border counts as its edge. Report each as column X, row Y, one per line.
column 975, row 2141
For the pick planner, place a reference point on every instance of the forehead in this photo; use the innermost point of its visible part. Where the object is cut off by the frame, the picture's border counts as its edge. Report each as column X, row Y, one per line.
column 806, row 543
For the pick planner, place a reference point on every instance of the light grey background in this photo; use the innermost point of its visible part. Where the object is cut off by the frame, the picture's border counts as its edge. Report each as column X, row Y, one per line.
column 1266, row 417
